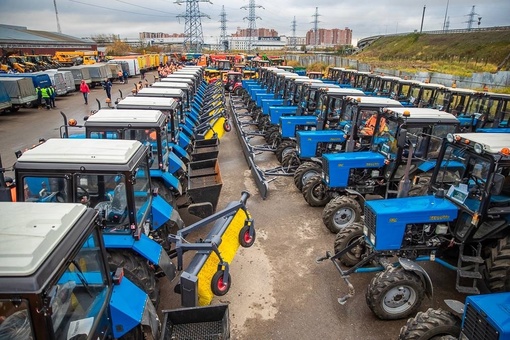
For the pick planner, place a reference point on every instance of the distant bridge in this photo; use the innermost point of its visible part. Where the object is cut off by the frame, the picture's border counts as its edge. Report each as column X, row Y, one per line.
column 362, row 43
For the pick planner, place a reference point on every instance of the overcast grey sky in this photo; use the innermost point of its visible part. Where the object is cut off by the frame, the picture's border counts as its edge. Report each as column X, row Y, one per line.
column 83, row 18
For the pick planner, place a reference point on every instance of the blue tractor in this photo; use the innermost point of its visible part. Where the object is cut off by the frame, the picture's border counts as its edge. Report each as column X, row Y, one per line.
column 481, row 317
column 462, row 223
column 405, row 143
column 56, row 283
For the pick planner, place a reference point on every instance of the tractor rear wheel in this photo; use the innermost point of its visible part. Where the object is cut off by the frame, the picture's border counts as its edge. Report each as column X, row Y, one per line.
column 432, row 324
column 304, row 172
column 341, row 212
column 284, row 148
column 136, row 270
column 315, row 192
column 269, row 133
column 395, row 294
column 345, row 238
column 263, row 123
column 498, row 266
column 420, row 188
column 164, row 191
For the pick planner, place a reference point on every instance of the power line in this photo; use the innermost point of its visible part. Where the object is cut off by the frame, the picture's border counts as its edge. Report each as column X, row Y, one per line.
column 150, row 9
column 118, row 10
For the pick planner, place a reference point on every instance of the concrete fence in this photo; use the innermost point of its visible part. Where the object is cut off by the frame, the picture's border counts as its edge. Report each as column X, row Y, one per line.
column 476, row 81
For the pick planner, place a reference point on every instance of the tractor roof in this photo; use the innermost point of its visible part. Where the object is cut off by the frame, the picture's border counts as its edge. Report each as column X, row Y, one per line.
column 161, row 91
column 307, row 80
column 433, row 86
column 187, row 80
column 416, row 113
column 410, row 81
column 317, row 86
column 81, row 151
column 460, row 90
column 493, row 143
column 391, row 78
column 30, row 232
column 169, row 85
column 374, row 101
column 155, row 103
column 152, row 117
column 336, row 92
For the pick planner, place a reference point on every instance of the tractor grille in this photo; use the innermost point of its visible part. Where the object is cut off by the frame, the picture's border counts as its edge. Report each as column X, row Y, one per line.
column 370, row 219
column 476, row 326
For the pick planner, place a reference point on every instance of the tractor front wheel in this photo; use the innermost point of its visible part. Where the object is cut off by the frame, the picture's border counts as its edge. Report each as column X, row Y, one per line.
column 304, row 172
column 345, row 238
column 290, row 160
column 284, row 148
column 315, row 192
column 218, row 285
column 340, row 212
column 395, row 294
column 432, row 324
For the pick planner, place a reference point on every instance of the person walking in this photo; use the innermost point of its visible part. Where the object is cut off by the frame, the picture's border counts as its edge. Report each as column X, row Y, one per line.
column 126, row 76
column 85, row 90
column 108, row 88
column 45, row 93
column 39, row 97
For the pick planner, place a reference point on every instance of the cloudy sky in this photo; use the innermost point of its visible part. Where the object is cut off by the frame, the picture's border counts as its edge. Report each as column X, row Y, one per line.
column 83, row 18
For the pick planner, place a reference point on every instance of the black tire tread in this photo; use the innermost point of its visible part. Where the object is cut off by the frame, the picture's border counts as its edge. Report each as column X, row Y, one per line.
column 333, row 205
column 281, row 148
column 308, row 192
column 344, row 238
column 429, row 324
column 301, row 170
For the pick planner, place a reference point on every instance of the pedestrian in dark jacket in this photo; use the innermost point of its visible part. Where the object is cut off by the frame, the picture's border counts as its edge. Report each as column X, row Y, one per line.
column 39, row 97
column 108, row 88
column 53, row 95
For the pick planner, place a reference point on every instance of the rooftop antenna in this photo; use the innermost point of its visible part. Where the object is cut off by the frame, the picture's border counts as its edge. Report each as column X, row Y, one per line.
column 59, row 30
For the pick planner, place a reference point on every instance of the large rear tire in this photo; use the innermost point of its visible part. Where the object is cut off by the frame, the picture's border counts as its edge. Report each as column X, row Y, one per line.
column 136, row 270
column 395, row 294
column 315, row 192
column 340, row 212
column 498, row 266
column 432, row 324
column 345, row 238
column 304, row 172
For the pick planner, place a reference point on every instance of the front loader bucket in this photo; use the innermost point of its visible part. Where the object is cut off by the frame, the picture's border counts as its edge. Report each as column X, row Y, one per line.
column 233, row 227
column 204, row 182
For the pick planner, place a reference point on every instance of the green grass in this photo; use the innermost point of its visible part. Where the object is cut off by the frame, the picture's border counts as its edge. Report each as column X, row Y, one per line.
column 455, row 53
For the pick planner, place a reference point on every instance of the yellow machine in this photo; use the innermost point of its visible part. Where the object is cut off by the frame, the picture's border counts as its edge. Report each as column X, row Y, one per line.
column 76, row 57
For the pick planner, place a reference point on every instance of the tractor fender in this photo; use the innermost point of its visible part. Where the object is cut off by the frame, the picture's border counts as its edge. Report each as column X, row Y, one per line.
column 170, row 180
column 162, row 212
column 129, row 307
column 316, row 160
column 355, row 193
column 422, row 274
column 457, row 306
column 145, row 247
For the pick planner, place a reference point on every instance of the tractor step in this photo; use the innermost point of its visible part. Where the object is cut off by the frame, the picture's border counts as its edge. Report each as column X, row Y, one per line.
column 469, row 274
column 471, row 259
column 468, row 290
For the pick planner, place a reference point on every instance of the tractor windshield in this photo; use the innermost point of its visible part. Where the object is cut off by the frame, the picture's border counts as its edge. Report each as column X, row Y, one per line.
column 45, row 189
column 15, row 323
column 78, row 295
column 464, row 177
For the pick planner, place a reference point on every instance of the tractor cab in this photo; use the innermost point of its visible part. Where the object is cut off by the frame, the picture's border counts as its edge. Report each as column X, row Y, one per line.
column 495, row 113
column 309, row 96
column 367, row 82
column 280, row 63
column 296, row 88
column 348, row 78
column 428, row 95
column 233, row 79
column 60, row 287
column 223, row 64
column 211, row 75
column 386, row 84
column 334, row 73
column 314, row 75
column 404, row 89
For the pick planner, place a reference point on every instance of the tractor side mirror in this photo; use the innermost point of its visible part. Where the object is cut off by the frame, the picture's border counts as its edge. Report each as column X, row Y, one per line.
column 497, row 184
column 402, row 138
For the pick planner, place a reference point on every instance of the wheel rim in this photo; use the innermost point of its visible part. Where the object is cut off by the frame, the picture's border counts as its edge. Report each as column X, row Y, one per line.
column 221, row 285
column 399, row 299
column 318, row 191
column 307, row 175
column 286, row 151
column 343, row 217
column 247, row 238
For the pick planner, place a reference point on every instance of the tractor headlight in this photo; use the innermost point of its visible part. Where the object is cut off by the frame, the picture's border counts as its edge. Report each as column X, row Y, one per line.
column 347, row 128
column 365, row 230
column 478, row 148
column 298, row 149
column 280, row 129
column 372, row 239
column 449, row 137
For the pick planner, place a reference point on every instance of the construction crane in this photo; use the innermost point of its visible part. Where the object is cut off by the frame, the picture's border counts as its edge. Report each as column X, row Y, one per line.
column 56, row 14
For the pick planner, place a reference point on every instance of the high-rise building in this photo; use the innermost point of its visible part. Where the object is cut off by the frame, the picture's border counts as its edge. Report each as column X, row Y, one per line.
column 330, row 37
column 259, row 32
